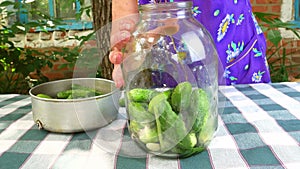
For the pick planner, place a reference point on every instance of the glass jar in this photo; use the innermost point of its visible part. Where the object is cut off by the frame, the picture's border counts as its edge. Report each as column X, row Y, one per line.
column 171, row 81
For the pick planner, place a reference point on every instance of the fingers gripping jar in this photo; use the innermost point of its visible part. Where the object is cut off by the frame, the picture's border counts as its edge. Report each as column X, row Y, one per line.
column 171, row 81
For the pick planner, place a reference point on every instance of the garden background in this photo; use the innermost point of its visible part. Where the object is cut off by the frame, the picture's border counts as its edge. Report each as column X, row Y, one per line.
column 38, row 46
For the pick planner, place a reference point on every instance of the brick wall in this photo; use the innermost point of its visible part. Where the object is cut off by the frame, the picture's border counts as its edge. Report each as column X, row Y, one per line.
column 49, row 39
column 270, row 6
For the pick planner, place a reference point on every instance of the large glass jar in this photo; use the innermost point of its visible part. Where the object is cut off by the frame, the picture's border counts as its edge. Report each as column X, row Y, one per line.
column 171, row 81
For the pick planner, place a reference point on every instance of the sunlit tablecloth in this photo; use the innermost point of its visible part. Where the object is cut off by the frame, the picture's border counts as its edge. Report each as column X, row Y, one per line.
column 259, row 128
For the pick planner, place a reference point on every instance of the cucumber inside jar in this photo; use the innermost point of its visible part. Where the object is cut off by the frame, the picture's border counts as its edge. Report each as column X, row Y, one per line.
column 171, row 122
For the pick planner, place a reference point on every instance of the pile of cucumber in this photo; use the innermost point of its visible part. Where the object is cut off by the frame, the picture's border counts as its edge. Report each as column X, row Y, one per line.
column 76, row 92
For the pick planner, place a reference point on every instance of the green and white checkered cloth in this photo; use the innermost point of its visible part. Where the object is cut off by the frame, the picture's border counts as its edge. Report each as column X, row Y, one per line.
column 259, row 129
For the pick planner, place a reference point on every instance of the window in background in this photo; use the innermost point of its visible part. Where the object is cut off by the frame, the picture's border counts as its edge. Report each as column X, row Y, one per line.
column 297, row 10
column 65, row 10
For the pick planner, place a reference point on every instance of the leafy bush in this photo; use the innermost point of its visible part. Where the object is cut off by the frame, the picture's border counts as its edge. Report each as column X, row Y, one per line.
column 17, row 62
column 278, row 58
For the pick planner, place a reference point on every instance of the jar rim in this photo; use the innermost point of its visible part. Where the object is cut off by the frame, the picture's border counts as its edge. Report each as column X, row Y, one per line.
column 166, row 5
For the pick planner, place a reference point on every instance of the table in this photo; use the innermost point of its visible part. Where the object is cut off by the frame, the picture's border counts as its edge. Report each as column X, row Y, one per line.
column 259, row 128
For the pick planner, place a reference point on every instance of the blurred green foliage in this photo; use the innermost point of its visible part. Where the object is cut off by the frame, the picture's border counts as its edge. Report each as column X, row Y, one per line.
column 16, row 63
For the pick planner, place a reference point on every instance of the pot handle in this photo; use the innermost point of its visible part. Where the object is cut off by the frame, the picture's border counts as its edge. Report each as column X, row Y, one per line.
column 39, row 124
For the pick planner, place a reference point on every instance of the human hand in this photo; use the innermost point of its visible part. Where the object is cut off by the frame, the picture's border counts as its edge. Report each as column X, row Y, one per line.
column 125, row 17
column 121, row 33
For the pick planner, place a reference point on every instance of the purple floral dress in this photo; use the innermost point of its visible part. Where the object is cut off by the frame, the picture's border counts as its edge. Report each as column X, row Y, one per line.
column 239, row 40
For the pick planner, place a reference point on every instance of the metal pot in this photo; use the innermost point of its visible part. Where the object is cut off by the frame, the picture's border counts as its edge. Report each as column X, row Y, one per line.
column 75, row 115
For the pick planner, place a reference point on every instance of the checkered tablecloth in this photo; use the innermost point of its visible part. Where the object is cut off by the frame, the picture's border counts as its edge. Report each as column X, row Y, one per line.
column 259, row 129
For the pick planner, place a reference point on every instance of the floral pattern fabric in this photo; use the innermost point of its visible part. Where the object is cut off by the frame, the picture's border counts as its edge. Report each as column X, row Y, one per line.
column 239, row 40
